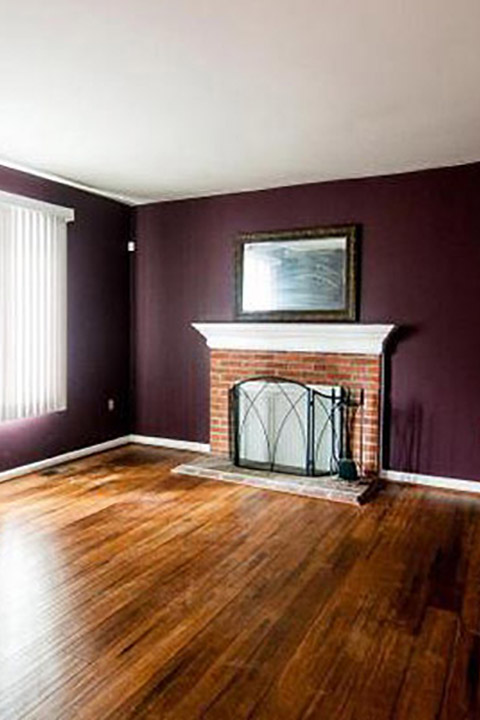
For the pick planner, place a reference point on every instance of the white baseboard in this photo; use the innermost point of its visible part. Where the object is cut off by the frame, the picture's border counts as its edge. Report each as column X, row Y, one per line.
column 65, row 457
column 436, row 481
column 170, row 443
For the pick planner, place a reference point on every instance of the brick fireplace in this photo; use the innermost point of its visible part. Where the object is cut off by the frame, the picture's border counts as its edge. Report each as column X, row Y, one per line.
column 316, row 354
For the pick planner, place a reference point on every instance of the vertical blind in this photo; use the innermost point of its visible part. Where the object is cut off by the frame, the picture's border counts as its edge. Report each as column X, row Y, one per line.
column 33, row 308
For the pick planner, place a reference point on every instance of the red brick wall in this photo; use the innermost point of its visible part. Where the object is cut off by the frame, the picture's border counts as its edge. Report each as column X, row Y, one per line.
column 351, row 371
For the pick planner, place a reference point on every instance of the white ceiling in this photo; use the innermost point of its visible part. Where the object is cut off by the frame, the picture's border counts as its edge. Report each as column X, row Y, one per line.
column 160, row 99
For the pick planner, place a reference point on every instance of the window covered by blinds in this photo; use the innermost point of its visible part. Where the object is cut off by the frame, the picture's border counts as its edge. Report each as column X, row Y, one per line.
column 33, row 307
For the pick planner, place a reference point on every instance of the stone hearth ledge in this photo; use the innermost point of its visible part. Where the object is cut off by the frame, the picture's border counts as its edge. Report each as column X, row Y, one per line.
column 349, row 338
column 326, row 487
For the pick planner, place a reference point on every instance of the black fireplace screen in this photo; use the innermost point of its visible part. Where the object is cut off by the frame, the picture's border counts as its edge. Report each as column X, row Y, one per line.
column 282, row 425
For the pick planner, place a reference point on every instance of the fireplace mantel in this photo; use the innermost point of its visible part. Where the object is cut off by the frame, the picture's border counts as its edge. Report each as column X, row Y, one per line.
column 349, row 338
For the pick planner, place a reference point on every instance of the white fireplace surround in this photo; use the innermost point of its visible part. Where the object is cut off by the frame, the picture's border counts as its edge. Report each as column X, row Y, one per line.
column 350, row 338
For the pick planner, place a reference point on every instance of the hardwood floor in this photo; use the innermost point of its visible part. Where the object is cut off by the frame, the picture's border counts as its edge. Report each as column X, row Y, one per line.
column 127, row 592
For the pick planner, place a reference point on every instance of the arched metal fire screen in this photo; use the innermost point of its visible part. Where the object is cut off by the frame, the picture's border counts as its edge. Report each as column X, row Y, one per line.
column 283, row 425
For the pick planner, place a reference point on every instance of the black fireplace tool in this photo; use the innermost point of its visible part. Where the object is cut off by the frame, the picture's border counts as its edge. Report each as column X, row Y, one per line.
column 347, row 467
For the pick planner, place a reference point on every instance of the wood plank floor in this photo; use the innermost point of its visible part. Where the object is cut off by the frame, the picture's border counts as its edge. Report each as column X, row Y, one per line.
column 127, row 592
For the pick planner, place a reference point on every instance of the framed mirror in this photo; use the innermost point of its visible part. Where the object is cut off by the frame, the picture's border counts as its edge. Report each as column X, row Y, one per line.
column 297, row 275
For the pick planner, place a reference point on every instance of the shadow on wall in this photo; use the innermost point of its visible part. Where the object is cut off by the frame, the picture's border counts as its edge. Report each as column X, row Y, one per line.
column 398, row 336
column 407, row 429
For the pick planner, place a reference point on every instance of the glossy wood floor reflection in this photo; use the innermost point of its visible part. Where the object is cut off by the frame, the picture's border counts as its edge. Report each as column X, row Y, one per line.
column 127, row 592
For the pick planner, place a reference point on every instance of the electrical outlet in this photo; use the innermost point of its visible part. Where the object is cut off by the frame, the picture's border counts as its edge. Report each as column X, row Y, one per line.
column 111, row 404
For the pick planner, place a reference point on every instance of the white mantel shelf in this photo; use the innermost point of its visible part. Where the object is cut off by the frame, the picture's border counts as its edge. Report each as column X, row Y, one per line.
column 351, row 338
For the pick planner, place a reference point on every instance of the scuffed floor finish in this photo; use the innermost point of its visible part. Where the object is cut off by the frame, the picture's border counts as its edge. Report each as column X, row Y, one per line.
column 215, row 467
column 128, row 592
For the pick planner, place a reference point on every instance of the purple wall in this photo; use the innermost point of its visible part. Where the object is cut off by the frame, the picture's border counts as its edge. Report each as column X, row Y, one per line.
column 98, row 328
column 420, row 269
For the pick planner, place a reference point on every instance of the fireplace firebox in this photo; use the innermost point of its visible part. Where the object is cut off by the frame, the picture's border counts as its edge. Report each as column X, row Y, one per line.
column 283, row 425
